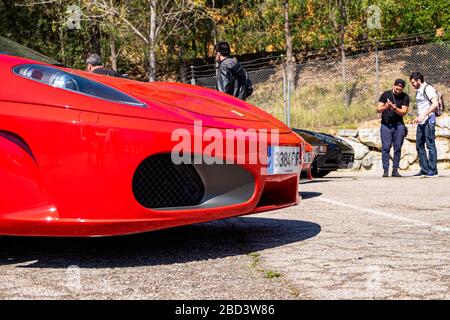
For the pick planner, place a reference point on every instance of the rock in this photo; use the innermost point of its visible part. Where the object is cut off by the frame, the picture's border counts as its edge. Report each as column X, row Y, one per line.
column 414, row 168
column 443, row 148
column 443, row 122
column 352, row 139
column 357, row 164
column 442, row 132
column 370, row 137
column 404, row 164
column 443, row 165
column 412, row 131
column 360, row 149
column 409, row 152
column 372, row 161
column 346, row 133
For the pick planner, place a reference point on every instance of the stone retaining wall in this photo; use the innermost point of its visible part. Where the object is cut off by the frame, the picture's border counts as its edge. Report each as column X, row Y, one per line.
column 367, row 145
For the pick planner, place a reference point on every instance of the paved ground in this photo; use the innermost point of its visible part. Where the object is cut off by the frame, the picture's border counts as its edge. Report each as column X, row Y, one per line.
column 352, row 237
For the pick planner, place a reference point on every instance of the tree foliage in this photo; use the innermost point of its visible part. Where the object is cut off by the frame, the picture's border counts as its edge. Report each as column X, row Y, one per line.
column 120, row 30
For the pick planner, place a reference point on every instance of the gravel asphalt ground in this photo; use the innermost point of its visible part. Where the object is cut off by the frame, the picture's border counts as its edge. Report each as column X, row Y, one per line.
column 352, row 237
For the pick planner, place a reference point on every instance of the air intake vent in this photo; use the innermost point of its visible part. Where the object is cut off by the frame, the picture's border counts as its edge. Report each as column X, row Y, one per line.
column 158, row 183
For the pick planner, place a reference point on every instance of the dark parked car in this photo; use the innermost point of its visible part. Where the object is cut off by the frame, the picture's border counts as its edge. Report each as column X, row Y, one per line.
column 339, row 154
column 319, row 148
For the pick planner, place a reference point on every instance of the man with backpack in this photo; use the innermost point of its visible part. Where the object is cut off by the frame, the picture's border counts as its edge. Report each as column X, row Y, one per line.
column 231, row 76
column 428, row 107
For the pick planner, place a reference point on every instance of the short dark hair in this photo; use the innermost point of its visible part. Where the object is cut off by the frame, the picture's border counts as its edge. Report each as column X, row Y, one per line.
column 400, row 82
column 417, row 76
column 223, row 48
column 94, row 60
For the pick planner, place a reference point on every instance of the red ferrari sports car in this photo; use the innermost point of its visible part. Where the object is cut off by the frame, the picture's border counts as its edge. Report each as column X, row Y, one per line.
column 90, row 155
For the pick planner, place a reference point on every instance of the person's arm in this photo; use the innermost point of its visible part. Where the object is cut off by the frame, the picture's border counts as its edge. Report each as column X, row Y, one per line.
column 404, row 108
column 382, row 104
column 433, row 107
column 401, row 111
column 223, row 80
column 382, row 107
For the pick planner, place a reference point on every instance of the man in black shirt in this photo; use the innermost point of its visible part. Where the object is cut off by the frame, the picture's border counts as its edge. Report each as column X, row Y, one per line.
column 393, row 105
column 94, row 64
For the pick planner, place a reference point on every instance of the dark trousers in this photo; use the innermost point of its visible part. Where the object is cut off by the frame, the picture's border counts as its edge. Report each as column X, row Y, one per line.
column 392, row 134
column 426, row 134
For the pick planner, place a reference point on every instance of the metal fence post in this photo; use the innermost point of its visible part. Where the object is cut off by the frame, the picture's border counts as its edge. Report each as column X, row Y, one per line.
column 284, row 90
column 377, row 72
column 192, row 75
column 287, row 75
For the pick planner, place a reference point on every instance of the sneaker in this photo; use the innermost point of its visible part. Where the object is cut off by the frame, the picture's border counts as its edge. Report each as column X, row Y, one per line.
column 396, row 174
column 419, row 174
column 386, row 173
column 431, row 175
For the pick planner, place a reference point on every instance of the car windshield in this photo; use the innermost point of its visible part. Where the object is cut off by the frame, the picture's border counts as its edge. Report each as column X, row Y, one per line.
column 14, row 49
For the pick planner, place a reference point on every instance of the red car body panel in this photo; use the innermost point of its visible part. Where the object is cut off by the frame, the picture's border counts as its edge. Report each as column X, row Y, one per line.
column 67, row 160
column 307, row 166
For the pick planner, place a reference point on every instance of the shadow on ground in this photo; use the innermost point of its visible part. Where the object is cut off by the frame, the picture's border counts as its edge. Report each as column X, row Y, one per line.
column 309, row 195
column 315, row 180
column 198, row 242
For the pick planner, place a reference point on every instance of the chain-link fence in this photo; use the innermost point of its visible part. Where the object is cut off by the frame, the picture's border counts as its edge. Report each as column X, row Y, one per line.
column 332, row 92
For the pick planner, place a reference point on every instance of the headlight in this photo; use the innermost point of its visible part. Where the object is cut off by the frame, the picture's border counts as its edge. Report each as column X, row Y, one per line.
column 64, row 80
column 323, row 149
column 320, row 150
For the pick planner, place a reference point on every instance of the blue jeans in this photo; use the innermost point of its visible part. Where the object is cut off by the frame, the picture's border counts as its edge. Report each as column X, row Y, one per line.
column 392, row 134
column 426, row 134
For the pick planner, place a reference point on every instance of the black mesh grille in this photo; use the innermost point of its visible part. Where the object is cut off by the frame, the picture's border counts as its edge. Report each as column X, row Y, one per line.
column 159, row 183
column 348, row 157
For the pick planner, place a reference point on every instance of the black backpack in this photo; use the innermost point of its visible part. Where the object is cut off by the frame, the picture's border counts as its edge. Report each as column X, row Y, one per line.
column 248, row 84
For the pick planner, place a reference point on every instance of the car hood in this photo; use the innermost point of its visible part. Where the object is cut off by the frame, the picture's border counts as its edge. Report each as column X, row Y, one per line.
column 344, row 146
column 309, row 138
column 333, row 142
column 194, row 102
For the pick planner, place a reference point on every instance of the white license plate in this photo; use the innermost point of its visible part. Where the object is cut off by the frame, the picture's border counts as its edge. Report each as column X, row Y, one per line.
column 283, row 160
column 308, row 157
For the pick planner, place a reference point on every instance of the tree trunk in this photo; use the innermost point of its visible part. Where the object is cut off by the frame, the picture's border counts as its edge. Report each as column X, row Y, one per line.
column 113, row 57
column 61, row 33
column 214, row 31
column 95, row 36
column 288, row 39
column 152, row 44
column 289, row 64
column 112, row 41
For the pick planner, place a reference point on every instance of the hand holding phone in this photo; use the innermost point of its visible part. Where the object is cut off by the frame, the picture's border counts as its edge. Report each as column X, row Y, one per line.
column 390, row 105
